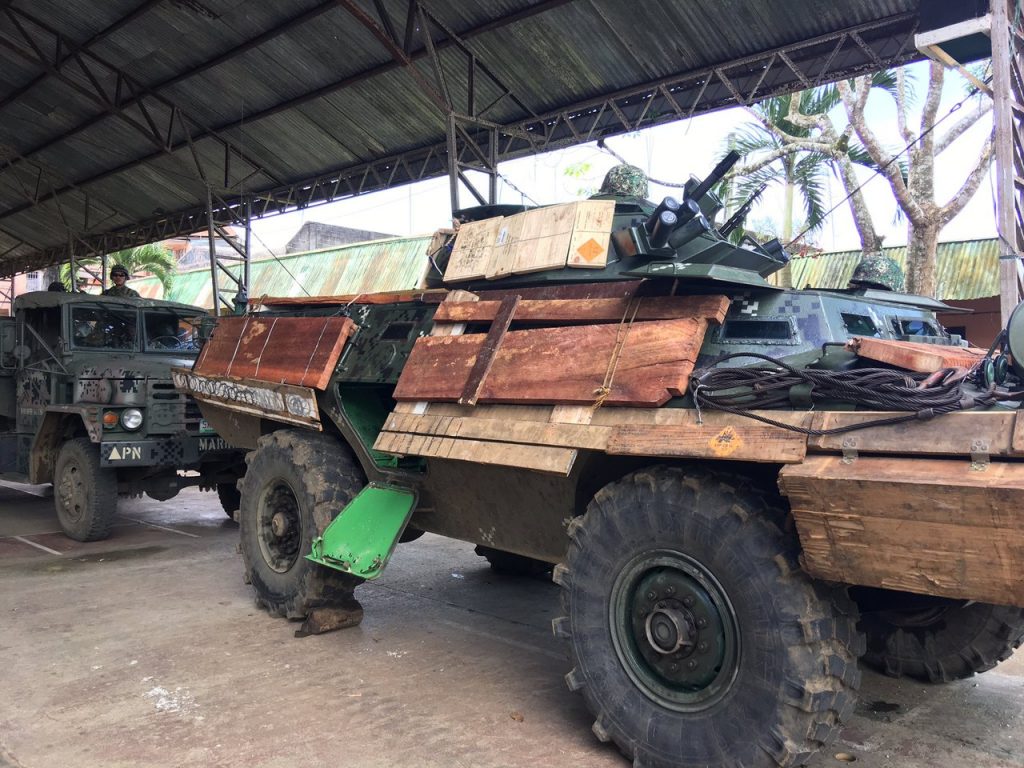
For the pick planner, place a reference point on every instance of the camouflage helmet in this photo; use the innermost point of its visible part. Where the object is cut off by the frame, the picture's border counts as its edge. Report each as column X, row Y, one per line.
column 120, row 268
column 625, row 180
column 877, row 271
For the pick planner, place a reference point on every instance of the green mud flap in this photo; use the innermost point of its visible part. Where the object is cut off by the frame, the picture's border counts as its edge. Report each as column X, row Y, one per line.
column 362, row 537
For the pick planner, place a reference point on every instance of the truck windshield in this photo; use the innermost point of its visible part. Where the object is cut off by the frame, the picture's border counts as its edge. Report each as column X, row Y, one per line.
column 165, row 329
column 95, row 327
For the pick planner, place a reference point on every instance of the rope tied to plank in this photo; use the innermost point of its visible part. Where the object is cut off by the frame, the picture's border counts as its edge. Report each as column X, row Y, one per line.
column 621, row 332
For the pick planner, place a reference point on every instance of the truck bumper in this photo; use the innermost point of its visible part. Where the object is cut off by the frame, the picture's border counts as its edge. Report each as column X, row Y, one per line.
column 179, row 452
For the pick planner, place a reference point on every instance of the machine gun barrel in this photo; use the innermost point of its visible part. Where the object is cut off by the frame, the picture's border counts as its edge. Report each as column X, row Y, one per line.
column 723, row 167
column 741, row 213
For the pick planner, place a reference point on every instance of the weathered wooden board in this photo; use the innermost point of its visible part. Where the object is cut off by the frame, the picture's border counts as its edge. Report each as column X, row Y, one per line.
column 565, row 365
column 280, row 402
column 557, row 461
column 931, row 526
column 433, row 296
column 989, row 432
column 537, row 240
column 923, row 358
column 581, row 436
column 473, row 250
column 588, row 248
column 743, row 442
column 583, row 311
column 291, row 350
column 533, row 241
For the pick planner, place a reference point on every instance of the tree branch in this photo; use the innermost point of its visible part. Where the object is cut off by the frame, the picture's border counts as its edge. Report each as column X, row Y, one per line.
column 956, row 203
column 854, row 104
column 901, row 107
column 961, row 126
column 936, row 76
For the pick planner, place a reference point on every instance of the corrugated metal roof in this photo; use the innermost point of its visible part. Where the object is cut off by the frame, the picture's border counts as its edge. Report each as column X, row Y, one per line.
column 966, row 269
column 271, row 96
column 395, row 264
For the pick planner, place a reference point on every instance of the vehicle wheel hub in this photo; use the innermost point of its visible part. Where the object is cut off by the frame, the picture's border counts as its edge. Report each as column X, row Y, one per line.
column 279, row 524
column 669, row 627
column 279, row 527
column 675, row 630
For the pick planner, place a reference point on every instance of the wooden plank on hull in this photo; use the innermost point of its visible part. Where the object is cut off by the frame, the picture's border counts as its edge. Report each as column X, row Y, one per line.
column 566, row 365
column 291, row 350
column 914, row 356
column 743, row 442
column 547, row 459
column 584, row 311
column 931, row 526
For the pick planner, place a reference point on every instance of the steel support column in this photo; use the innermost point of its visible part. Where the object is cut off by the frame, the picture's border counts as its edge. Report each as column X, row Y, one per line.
column 1008, row 92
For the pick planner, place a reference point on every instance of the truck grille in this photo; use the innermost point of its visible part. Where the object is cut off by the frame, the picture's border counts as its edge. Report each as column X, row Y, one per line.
column 174, row 406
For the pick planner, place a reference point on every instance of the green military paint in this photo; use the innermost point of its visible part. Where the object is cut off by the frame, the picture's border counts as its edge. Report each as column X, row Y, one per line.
column 362, row 537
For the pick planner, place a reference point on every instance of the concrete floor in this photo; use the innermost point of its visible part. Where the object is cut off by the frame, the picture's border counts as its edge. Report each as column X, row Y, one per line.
column 146, row 650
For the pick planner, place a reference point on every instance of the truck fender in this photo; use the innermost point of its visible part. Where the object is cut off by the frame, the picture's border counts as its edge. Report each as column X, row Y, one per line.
column 51, row 433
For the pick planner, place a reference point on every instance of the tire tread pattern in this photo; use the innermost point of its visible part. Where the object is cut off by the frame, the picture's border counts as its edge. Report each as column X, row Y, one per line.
column 820, row 627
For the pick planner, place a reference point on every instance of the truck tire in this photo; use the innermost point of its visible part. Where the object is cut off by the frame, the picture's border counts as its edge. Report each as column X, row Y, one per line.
column 696, row 639
column 511, row 564
column 945, row 641
column 84, row 493
column 295, row 484
column 230, row 498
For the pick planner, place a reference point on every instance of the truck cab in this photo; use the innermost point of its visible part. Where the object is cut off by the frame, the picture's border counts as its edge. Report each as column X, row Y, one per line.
column 87, row 404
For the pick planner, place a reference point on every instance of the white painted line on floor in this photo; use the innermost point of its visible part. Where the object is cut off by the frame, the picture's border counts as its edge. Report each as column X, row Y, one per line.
column 162, row 527
column 38, row 546
column 525, row 646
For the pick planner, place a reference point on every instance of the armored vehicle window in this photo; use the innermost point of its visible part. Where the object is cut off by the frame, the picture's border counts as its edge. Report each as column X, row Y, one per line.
column 164, row 329
column 775, row 330
column 915, row 327
column 103, row 328
column 860, row 325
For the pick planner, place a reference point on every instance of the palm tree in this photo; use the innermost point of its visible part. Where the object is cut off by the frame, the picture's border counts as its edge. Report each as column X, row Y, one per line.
column 152, row 259
column 792, row 142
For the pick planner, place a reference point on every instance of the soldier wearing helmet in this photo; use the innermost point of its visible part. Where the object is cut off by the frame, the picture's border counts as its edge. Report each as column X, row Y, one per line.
column 877, row 271
column 119, row 276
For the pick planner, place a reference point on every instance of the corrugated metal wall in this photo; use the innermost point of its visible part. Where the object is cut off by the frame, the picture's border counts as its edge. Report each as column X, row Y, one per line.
column 375, row 267
column 967, row 269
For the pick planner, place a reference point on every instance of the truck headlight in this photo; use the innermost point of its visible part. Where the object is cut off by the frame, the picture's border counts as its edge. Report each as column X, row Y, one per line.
column 131, row 418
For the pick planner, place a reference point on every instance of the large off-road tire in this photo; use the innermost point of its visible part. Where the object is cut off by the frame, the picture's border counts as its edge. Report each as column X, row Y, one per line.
column 696, row 638
column 939, row 640
column 230, row 498
column 511, row 564
column 295, row 484
column 84, row 493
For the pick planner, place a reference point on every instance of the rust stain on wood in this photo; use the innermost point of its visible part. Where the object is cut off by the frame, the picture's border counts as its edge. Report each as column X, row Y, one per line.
column 291, row 350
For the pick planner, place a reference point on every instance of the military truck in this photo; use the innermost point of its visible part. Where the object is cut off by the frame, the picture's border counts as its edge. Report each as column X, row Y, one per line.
column 728, row 549
column 87, row 404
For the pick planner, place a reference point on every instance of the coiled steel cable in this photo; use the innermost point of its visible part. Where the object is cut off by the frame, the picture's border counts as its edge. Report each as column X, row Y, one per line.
column 762, row 387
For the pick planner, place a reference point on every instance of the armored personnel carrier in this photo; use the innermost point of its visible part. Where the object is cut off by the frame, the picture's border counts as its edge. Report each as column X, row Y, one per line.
column 87, row 404
column 742, row 490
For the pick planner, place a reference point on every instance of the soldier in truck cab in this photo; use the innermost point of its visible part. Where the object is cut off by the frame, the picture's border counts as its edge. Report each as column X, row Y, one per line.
column 119, row 276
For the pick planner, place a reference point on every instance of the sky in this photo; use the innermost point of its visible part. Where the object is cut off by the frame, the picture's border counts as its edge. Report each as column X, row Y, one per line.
column 672, row 152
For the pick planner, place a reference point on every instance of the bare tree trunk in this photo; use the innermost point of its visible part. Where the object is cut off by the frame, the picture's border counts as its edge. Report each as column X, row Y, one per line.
column 785, row 275
column 921, row 266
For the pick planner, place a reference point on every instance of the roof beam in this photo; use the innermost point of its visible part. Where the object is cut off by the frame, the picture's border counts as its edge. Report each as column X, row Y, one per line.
column 359, row 77
column 64, row 58
column 664, row 100
column 152, row 91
